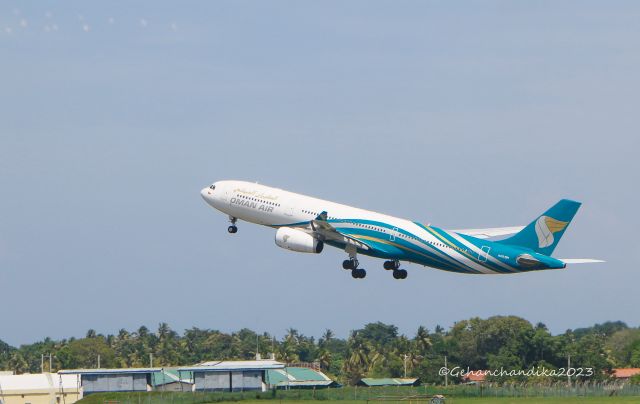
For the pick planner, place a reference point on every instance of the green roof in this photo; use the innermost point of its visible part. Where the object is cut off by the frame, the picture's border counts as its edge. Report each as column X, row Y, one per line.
column 387, row 381
column 170, row 376
column 305, row 374
column 276, row 376
column 295, row 375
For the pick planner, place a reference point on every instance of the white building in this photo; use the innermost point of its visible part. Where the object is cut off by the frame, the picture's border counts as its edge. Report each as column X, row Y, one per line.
column 42, row 388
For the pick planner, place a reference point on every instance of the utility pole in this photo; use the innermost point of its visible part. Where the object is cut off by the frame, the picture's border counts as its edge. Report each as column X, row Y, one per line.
column 405, row 365
column 150, row 360
column 98, row 361
column 446, row 375
column 42, row 362
column 568, row 367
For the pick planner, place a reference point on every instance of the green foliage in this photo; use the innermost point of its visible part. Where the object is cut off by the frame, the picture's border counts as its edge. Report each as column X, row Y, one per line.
column 606, row 329
column 376, row 350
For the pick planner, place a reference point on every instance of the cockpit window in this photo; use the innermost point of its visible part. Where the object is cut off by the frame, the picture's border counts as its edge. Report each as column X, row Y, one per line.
column 212, row 187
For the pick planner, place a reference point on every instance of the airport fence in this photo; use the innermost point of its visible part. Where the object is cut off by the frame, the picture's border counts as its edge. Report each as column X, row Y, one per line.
column 370, row 393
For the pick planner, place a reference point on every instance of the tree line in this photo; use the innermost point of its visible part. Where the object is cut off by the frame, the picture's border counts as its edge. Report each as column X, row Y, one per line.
column 376, row 350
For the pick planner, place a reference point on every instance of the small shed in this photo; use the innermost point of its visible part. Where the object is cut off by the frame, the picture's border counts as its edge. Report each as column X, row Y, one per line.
column 475, row 377
column 114, row 380
column 625, row 373
column 371, row 382
column 231, row 375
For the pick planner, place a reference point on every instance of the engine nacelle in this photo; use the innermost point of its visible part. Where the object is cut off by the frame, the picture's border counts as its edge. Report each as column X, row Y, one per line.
column 297, row 240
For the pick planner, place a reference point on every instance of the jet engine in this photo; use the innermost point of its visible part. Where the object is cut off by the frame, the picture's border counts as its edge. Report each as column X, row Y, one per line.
column 297, row 240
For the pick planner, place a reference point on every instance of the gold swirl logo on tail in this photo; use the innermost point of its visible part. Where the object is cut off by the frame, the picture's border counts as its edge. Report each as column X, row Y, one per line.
column 545, row 227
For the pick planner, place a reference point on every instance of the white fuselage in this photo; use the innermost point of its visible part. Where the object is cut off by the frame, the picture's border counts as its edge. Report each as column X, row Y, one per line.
column 275, row 207
column 395, row 238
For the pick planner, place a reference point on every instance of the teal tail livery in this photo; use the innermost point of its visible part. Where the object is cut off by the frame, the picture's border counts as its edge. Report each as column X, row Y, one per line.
column 307, row 224
column 543, row 234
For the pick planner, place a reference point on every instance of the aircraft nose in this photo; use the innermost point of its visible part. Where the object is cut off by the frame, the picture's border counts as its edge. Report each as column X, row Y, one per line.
column 205, row 193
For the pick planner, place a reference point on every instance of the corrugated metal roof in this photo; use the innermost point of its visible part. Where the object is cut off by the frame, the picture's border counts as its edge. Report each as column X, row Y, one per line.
column 109, row 371
column 623, row 373
column 388, row 381
column 306, row 374
column 297, row 376
column 221, row 366
column 311, row 383
column 170, row 376
column 40, row 381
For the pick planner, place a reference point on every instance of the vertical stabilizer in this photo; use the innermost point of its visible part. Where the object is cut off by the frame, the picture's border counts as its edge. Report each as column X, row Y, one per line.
column 543, row 234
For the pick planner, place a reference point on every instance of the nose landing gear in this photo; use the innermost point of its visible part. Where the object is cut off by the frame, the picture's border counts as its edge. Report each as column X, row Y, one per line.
column 233, row 228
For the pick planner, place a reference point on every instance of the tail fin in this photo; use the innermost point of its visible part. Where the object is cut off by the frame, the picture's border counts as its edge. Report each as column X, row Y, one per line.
column 543, row 234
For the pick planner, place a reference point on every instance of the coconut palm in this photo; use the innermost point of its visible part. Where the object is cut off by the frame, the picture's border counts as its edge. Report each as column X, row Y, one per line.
column 423, row 340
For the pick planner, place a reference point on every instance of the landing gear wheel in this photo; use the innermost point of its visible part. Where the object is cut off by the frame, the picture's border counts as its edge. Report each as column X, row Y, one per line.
column 358, row 273
column 350, row 264
column 232, row 229
column 399, row 274
column 391, row 265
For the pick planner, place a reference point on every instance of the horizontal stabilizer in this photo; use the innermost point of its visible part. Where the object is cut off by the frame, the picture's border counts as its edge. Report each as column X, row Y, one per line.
column 490, row 232
column 579, row 260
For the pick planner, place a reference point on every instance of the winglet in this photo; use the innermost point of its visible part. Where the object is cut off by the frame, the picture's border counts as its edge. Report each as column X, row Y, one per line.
column 322, row 216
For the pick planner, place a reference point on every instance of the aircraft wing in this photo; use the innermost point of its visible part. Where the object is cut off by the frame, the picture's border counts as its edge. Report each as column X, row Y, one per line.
column 489, row 232
column 326, row 231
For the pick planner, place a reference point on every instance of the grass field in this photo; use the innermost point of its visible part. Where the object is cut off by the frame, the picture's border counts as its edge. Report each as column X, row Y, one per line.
column 453, row 400
column 203, row 398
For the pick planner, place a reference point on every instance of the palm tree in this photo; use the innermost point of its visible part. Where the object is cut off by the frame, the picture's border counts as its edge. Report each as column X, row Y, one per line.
column 292, row 335
column 422, row 340
column 361, row 357
column 327, row 336
column 123, row 334
column 324, row 358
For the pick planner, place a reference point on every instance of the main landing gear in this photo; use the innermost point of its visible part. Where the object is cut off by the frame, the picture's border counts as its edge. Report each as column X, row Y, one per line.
column 352, row 265
column 233, row 228
column 395, row 267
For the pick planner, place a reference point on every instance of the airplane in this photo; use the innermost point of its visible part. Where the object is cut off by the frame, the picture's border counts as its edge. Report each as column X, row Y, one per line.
column 305, row 224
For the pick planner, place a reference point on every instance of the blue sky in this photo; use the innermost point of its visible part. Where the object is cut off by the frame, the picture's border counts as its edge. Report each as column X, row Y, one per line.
column 461, row 114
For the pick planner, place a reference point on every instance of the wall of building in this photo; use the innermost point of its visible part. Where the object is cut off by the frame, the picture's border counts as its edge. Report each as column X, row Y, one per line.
column 228, row 381
column 174, row 386
column 94, row 383
column 42, row 388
